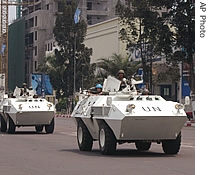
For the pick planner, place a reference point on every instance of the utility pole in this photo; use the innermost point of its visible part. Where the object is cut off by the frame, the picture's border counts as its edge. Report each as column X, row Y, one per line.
column 74, row 64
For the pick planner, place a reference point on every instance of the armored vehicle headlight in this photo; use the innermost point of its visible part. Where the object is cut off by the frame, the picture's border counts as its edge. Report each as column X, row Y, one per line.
column 130, row 107
column 179, row 106
column 49, row 105
column 109, row 101
column 20, row 106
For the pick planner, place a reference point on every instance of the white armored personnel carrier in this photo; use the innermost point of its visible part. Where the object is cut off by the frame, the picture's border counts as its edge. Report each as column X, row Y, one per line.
column 124, row 116
column 26, row 110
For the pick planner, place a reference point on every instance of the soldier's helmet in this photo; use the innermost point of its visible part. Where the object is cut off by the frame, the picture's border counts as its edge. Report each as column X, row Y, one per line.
column 121, row 72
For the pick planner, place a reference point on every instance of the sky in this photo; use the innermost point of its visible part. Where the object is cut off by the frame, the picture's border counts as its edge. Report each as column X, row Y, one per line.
column 11, row 13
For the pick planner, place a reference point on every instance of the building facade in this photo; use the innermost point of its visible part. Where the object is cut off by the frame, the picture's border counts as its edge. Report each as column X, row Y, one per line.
column 39, row 22
column 103, row 37
column 102, row 34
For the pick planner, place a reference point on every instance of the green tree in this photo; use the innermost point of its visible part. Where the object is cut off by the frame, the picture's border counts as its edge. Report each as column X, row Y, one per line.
column 60, row 67
column 146, row 29
column 110, row 66
column 145, row 25
column 56, row 69
column 183, row 20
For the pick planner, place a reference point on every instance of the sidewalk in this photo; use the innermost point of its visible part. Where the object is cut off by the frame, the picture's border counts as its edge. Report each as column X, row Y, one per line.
column 191, row 121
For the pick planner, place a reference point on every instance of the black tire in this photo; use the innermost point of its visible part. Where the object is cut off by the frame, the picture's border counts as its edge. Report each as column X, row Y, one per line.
column 172, row 146
column 10, row 125
column 3, row 124
column 107, row 139
column 142, row 146
column 84, row 138
column 50, row 128
column 39, row 128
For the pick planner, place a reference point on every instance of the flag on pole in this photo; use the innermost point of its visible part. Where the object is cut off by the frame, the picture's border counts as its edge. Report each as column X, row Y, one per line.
column 76, row 15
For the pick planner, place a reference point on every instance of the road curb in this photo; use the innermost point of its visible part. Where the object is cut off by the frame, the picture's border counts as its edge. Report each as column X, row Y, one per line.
column 190, row 123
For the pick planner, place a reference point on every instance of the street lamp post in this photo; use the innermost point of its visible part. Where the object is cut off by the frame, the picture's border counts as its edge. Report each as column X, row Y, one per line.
column 82, row 74
column 74, row 64
column 74, row 91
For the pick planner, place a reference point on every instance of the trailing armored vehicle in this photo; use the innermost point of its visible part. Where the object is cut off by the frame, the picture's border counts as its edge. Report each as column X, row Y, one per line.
column 128, row 116
column 27, row 109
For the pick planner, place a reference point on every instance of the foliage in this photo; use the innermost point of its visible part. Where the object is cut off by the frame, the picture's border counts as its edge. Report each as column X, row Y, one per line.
column 146, row 29
column 62, row 104
column 171, row 73
column 183, row 20
column 110, row 66
column 60, row 67
column 153, row 34
column 56, row 70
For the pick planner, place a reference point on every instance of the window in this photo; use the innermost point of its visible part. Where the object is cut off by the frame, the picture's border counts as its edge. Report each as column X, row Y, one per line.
column 89, row 20
column 89, row 5
column 165, row 91
column 35, row 51
column 35, row 65
column 60, row 7
column 31, row 22
column 29, row 39
column 47, row 7
column 35, row 21
column 35, row 35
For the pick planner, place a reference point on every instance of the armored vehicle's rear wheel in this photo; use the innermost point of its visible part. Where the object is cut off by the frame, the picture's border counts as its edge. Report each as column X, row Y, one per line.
column 3, row 124
column 172, row 146
column 84, row 139
column 10, row 125
column 50, row 128
column 142, row 146
column 107, row 140
column 39, row 128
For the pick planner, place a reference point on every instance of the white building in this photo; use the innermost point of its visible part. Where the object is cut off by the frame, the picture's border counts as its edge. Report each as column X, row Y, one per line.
column 103, row 38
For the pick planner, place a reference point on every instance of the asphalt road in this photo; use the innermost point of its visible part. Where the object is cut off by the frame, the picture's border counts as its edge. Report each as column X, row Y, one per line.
column 29, row 153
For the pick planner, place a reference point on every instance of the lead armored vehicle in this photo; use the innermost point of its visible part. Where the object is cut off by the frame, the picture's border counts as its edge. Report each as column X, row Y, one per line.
column 26, row 110
column 124, row 116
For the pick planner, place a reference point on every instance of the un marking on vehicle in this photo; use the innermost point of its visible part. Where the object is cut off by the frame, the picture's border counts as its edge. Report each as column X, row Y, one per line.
column 34, row 107
column 148, row 109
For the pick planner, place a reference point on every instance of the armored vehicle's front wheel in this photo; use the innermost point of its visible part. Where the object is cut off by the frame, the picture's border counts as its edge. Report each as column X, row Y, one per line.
column 39, row 128
column 3, row 124
column 142, row 146
column 172, row 146
column 50, row 128
column 84, row 139
column 107, row 140
column 10, row 125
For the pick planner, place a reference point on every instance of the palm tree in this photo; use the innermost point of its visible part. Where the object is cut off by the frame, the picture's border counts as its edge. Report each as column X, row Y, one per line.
column 110, row 66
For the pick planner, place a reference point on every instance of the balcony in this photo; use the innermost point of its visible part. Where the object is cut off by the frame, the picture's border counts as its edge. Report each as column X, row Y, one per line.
column 97, row 13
